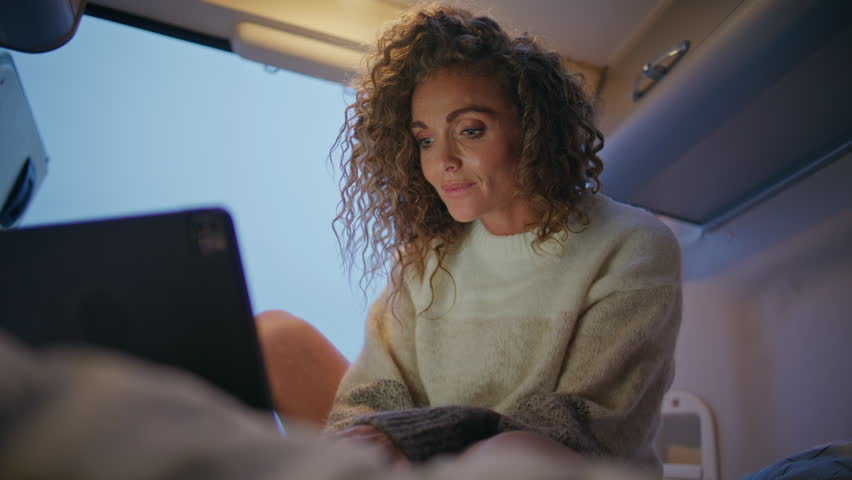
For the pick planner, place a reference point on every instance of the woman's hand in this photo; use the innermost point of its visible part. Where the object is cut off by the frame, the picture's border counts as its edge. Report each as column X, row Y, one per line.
column 370, row 435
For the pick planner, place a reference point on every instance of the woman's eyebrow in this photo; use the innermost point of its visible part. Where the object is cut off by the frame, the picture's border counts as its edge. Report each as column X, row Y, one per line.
column 455, row 113
column 471, row 108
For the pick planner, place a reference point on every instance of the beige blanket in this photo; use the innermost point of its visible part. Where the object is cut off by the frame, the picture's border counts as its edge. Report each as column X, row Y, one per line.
column 85, row 414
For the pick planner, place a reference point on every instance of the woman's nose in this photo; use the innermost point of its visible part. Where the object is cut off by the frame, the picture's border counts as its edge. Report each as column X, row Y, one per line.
column 450, row 158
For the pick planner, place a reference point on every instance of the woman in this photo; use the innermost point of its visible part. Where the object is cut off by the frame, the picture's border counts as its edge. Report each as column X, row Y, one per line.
column 522, row 306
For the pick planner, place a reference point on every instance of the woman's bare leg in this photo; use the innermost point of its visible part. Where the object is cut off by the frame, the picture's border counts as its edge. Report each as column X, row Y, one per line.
column 304, row 368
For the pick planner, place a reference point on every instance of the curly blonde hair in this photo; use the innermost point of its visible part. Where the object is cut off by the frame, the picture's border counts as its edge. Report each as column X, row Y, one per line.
column 388, row 211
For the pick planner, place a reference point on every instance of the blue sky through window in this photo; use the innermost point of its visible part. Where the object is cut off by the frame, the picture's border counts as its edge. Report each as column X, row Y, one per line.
column 135, row 122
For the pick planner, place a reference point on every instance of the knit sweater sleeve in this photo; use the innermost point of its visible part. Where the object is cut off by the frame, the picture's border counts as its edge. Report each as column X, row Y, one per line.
column 382, row 388
column 384, row 375
column 618, row 365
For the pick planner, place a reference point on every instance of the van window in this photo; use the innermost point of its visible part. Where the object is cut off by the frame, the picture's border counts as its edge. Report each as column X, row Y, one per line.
column 135, row 122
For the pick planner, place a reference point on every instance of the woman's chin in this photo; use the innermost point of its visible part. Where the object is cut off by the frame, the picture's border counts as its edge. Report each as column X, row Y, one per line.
column 463, row 217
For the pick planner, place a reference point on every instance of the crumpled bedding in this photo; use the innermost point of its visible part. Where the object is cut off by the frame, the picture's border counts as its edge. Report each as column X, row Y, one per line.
column 80, row 414
column 85, row 414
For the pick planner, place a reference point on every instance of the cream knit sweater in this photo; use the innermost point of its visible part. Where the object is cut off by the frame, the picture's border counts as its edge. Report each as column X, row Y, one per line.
column 574, row 342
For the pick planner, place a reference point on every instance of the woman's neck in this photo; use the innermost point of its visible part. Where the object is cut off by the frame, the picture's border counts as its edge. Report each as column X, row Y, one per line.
column 512, row 220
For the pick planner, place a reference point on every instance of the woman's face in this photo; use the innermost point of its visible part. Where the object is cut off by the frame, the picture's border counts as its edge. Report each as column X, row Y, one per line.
column 469, row 136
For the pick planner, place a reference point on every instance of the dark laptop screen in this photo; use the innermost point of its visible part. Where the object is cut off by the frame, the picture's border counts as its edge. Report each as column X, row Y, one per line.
column 168, row 288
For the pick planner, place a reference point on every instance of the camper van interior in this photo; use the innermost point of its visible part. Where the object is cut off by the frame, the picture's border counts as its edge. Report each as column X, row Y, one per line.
column 731, row 120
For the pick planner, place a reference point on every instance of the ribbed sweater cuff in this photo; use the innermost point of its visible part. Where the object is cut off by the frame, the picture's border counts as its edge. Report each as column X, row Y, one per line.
column 425, row 432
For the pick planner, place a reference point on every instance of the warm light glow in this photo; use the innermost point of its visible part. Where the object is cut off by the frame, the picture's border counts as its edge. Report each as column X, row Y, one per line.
column 294, row 52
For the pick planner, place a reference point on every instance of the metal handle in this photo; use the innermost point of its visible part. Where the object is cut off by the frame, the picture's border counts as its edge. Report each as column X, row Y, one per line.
column 654, row 72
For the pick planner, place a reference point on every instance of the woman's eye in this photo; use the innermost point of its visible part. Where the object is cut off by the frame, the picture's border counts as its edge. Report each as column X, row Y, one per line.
column 424, row 142
column 472, row 132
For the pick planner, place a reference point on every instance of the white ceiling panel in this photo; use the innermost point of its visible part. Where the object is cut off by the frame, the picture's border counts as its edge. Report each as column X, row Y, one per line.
column 588, row 31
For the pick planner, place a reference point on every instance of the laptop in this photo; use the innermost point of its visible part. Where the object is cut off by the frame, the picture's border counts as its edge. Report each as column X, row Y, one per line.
column 168, row 288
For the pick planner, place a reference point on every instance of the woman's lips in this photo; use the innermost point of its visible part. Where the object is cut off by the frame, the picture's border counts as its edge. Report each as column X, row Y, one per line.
column 456, row 189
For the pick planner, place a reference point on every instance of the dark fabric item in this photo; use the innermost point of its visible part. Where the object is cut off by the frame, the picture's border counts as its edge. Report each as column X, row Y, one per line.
column 832, row 462
column 425, row 432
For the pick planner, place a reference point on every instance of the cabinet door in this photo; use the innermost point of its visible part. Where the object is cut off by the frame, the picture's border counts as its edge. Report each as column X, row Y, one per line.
column 23, row 161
